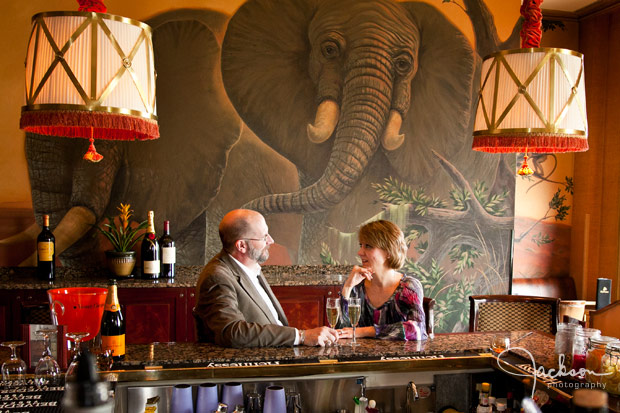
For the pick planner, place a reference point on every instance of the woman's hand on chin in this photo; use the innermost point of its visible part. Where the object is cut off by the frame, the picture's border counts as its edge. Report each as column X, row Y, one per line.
column 358, row 274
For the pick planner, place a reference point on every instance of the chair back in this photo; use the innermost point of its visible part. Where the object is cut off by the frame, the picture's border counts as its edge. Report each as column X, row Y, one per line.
column 513, row 312
column 606, row 319
column 429, row 316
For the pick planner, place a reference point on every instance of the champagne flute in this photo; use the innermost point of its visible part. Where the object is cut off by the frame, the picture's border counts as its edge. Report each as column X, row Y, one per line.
column 14, row 369
column 355, row 311
column 333, row 312
column 77, row 344
column 47, row 371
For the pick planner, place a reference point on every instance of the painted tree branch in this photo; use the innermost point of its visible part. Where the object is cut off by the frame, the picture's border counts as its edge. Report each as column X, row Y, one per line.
column 487, row 40
column 447, row 228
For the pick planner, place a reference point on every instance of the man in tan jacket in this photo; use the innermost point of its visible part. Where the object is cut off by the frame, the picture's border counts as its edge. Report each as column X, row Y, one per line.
column 235, row 305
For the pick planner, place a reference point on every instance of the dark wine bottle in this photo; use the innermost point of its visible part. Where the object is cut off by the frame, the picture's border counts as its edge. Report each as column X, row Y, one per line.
column 150, row 251
column 46, row 251
column 168, row 252
column 113, row 324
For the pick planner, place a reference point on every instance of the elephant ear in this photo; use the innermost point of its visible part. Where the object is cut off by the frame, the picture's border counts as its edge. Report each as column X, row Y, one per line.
column 441, row 96
column 265, row 71
column 178, row 174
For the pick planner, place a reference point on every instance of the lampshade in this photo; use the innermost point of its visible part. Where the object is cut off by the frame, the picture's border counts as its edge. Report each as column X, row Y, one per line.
column 90, row 75
column 532, row 99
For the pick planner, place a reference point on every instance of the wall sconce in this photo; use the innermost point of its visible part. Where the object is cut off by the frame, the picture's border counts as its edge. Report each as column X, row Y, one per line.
column 532, row 99
column 90, row 75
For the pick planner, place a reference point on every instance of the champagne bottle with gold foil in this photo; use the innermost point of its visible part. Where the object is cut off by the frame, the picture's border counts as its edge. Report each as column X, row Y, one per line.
column 151, row 263
column 46, row 251
column 113, row 324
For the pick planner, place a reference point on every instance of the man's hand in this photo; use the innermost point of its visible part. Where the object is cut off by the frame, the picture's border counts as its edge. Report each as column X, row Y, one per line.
column 320, row 336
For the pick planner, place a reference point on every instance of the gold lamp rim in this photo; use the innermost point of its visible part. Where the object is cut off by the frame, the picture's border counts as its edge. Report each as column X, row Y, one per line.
column 90, row 14
column 532, row 50
column 87, row 108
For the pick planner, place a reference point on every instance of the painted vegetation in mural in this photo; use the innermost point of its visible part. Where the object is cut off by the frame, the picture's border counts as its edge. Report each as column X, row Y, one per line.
column 322, row 115
column 542, row 242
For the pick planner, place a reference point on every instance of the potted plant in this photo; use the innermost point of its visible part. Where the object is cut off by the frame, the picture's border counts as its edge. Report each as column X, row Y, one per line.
column 121, row 259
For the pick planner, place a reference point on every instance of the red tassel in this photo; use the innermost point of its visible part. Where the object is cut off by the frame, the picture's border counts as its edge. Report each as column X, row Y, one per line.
column 525, row 169
column 92, row 154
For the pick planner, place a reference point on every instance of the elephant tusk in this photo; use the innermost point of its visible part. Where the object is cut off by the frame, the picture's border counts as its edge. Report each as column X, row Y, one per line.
column 76, row 222
column 391, row 139
column 325, row 122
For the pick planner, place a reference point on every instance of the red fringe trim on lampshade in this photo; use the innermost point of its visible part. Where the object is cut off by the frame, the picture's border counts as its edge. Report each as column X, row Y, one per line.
column 532, row 143
column 78, row 124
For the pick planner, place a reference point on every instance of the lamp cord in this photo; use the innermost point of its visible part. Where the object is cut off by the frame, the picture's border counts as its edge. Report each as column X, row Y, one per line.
column 531, row 31
column 92, row 5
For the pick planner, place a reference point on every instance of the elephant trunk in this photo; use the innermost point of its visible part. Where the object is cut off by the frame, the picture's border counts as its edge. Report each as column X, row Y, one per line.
column 365, row 108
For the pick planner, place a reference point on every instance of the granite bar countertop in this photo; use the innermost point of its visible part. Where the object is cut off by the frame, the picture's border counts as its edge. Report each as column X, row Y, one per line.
column 186, row 276
column 158, row 361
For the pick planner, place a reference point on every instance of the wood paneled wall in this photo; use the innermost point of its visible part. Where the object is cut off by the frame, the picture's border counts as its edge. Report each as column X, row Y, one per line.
column 595, row 236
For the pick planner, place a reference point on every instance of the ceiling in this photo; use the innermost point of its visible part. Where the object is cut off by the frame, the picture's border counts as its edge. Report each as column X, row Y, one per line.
column 566, row 5
column 576, row 8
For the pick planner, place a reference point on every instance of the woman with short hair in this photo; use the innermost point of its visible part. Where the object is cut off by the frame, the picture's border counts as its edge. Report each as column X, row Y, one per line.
column 391, row 301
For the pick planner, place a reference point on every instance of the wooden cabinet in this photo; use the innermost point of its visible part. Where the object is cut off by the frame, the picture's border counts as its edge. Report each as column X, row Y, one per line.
column 305, row 306
column 160, row 314
column 154, row 314
column 22, row 307
column 191, row 303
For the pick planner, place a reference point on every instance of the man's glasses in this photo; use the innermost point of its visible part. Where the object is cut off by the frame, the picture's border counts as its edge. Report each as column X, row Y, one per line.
column 265, row 238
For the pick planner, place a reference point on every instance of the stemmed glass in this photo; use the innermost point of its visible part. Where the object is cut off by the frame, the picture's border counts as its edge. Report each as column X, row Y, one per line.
column 500, row 343
column 333, row 311
column 355, row 311
column 47, row 371
column 77, row 344
column 14, row 369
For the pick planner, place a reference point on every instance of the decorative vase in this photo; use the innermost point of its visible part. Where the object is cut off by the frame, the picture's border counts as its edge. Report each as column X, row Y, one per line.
column 121, row 263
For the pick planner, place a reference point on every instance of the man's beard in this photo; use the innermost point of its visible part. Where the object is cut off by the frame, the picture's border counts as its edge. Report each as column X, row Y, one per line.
column 260, row 256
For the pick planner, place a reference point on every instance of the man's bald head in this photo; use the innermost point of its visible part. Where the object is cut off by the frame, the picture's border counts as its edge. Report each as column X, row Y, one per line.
column 237, row 224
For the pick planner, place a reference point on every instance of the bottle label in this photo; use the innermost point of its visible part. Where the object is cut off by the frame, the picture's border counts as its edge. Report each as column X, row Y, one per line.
column 114, row 343
column 169, row 255
column 45, row 251
column 112, row 307
column 111, row 300
column 151, row 267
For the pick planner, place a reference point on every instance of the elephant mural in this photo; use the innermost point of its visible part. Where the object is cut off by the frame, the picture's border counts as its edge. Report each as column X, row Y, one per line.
column 178, row 176
column 293, row 108
column 353, row 92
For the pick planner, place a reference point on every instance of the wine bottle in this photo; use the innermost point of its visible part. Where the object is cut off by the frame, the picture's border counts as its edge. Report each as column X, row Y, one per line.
column 150, row 251
column 113, row 324
column 483, row 405
column 168, row 252
column 46, row 251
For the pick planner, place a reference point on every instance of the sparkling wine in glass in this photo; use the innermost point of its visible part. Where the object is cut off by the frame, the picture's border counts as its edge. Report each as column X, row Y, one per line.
column 14, row 369
column 355, row 310
column 77, row 350
column 47, row 371
column 332, row 309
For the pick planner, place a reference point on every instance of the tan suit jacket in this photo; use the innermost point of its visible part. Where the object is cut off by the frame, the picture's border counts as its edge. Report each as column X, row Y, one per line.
column 230, row 312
